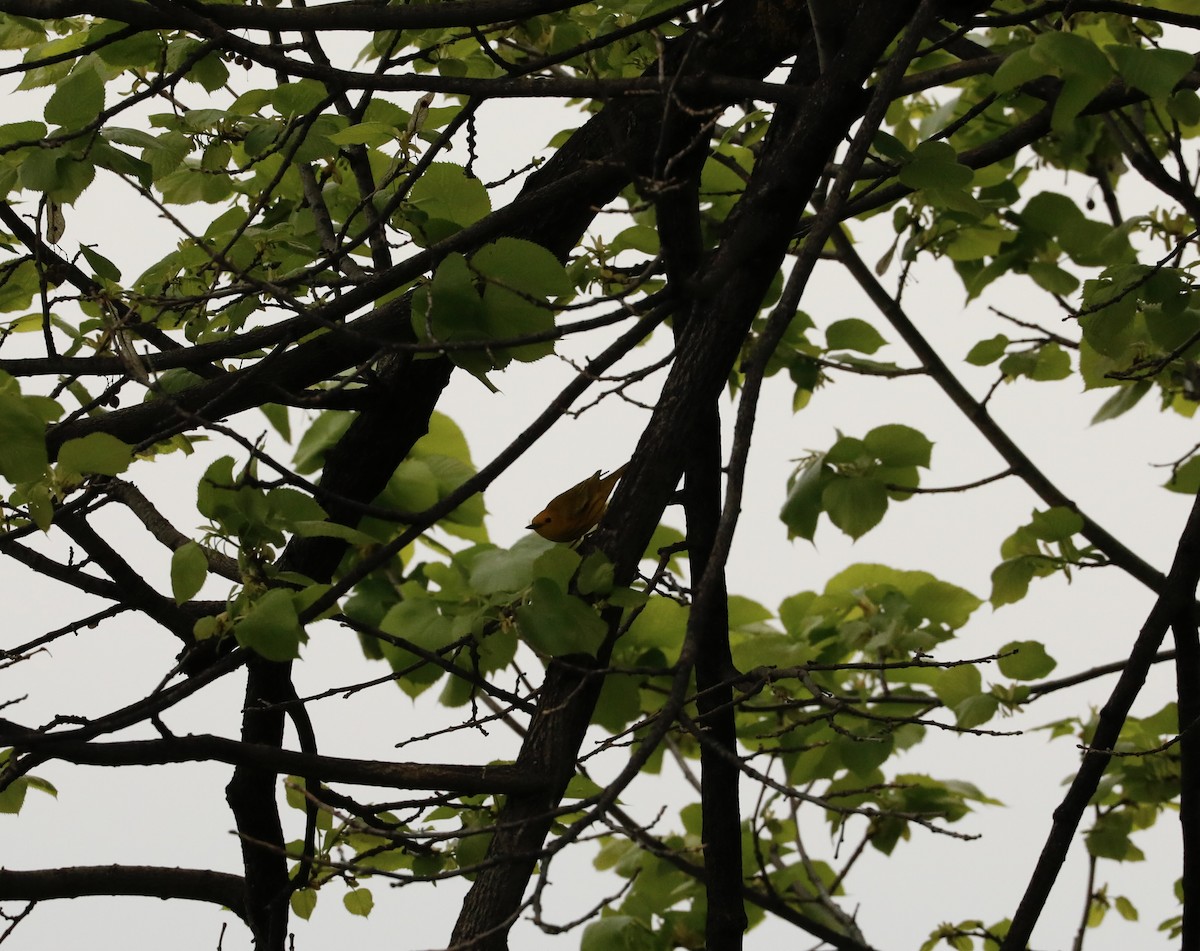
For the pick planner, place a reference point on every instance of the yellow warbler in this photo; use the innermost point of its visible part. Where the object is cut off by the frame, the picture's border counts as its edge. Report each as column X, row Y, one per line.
column 571, row 515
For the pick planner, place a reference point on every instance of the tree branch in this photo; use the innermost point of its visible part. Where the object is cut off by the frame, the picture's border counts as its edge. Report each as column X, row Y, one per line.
column 1187, row 676
column 1175, row 601
column 218, row 888
column 977, row 413
column 462, row 780
column 757, row 235
column 325, row 17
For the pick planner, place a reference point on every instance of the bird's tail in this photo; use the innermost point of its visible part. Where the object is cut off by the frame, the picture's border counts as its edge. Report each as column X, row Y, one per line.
column 612, row 477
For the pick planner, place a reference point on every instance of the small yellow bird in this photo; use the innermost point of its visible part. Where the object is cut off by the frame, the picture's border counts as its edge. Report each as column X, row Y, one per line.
column 570, row 516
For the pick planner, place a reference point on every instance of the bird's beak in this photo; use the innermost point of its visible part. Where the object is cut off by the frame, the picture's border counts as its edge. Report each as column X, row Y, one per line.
column 531, row 526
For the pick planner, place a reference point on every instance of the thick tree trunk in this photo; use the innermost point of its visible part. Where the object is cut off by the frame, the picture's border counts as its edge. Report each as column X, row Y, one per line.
column 759, row 233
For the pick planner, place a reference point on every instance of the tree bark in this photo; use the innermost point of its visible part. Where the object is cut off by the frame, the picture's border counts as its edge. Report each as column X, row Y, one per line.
column 759, row 234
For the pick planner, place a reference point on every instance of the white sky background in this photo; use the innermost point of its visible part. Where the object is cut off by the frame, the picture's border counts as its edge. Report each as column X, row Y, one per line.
column 176, row 815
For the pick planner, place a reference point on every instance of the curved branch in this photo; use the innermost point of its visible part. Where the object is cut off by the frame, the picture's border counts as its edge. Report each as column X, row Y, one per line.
column 161, row 528
column 150, row 881
column 1176, row 596
column 72, row 575
column 252, row 795
column 329, row 354
column 132, row 588
column 758, row 233
column 1144, row 12
column 325, row 17
column 464, row 780
column 977, row 413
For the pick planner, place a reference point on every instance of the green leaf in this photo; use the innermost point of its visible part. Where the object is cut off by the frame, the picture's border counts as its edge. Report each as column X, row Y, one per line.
column 216, row 487
column 1010, row 580
column 1056, row 524
column 1085, row 71
column 953, row 685
column 935, row 165
column 889, row 147
column 298, row 98
column 23, row 456
column 303, row 902
column 277, row 416
column 365, row 133
column 1019, row 68
column 188, row 185
column 853, row 334
column 411, row 488
column 1109, row 838
column 747, row 614
column 855, row 504
column 1122, row 401
column 418, row 621
column 17, row 291
column 944, row 603
column 102, row 266
column 1030, row 662
column 289, row 505
column 1050, row 277
column 863, row 755
column 1047, row 361
column 13, row 797
column 973, row 711
column 359, row 901
column 1186, row 478
column 973, row 244
column 324, row 431
column 445, row 200
column 27, row 131
column 326, row 529
column 803, row 505
column 987, row 351
column 141, row 49
column 619, row 703
column 612, row 852
column 210, row 72
column 510, row 315
column 1072, row 54
column 1125, row 908
column 636, row 238
column 595, row 575
column 500, row 570
column 522, row 266
column 470, row 850
column 189, row 568
column 848, row 451
column 272, row 627
column 556, row 623
column 77, row 101
column 660, row 625
column 1088, row 242
column 1184, row 107
column 40, row 505
column 96, row 452
column 444, row 438
column 449, row 307
column 1154, row 71
column 618, row 933
column 517, row 278
column 898, row 445
column 1053, row 363
column 582, row 787
column 1171, row 324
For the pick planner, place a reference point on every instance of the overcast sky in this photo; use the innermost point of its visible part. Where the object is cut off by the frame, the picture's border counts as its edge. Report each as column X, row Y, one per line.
column 176, row 815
